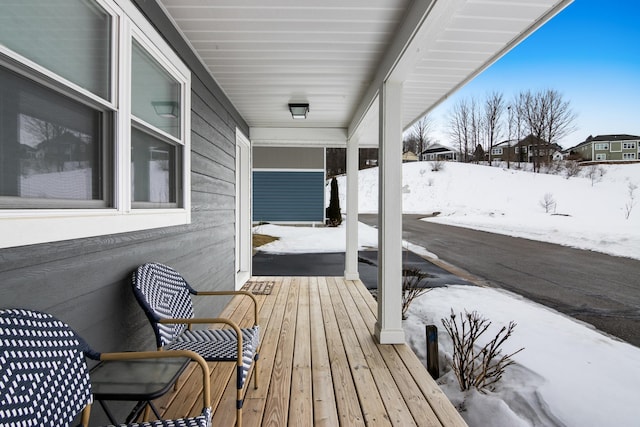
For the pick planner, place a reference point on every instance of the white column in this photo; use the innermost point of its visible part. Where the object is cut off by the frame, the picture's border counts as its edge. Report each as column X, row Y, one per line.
column 351, row 255
column 389, row 325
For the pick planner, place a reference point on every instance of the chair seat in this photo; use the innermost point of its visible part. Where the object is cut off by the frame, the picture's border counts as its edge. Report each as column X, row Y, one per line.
column 220, row 345
column 203, row 420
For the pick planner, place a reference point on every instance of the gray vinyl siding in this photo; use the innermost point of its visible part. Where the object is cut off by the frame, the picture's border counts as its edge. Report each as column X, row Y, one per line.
column 288, row 196
column 86, row 282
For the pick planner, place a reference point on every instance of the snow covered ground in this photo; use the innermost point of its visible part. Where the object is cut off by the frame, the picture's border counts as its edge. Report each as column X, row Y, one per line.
column 569, row 374
column 509, row 201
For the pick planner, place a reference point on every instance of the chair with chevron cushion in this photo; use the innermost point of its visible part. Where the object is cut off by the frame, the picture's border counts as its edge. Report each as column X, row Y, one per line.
column 166, row 296
column 44, row 379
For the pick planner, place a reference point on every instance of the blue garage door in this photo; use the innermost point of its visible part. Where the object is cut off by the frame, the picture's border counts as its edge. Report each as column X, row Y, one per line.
column 288, row 196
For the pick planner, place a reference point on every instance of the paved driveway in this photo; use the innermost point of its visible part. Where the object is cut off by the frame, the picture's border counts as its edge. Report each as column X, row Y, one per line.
column 599, row 289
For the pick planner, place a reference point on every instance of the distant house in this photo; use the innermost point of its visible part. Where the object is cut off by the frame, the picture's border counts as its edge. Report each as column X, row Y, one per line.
column 525, row 150
column 532, row 148
column 608, row 148
column 503, row 150
column 439, row 152
column 409, row 156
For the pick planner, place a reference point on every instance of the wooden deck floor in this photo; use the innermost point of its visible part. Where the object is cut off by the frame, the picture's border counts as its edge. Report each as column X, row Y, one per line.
column 320, row 365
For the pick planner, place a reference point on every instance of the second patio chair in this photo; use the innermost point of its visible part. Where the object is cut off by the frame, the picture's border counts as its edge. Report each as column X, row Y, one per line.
column 166, row 299
column 44, row 378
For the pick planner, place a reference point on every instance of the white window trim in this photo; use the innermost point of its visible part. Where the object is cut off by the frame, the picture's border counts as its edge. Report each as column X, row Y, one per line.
column 601, row 156
column 33, row 226
column 630, row 146
column 630, row 156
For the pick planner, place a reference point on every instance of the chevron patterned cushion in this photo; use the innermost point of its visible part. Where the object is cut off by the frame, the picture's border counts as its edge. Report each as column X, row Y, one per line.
column 220, row 345
column 203, row 420
column 44, row 380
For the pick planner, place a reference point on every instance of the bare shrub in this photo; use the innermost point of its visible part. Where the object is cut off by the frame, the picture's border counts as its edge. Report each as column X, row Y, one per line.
column 411, row 289
column 571, row 168
column 548, row 202
column 631, row 202
column 595, row 173
column 437, row 165
column 475, row 365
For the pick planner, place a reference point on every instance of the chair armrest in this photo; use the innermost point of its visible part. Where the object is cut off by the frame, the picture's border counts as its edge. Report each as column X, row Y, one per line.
column 133, row 355
column 245, row 293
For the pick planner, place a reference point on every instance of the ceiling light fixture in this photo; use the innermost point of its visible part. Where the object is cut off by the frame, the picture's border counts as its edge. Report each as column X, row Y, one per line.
column 166, row 109
column 299, row 111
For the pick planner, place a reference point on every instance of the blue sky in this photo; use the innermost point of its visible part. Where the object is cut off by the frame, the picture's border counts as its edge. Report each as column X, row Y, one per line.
column 589, row 52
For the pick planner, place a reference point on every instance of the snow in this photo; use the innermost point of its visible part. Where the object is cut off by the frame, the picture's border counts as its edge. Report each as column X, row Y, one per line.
column 569, row 373
column 508, row 201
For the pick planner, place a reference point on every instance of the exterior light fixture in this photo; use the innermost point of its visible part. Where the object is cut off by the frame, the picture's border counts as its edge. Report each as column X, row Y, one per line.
column 299, row 111
column 166, row 109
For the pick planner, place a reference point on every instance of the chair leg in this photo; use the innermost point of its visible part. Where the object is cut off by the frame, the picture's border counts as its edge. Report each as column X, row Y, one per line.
column 239, row 408
column 255, row 373
column 147, row 412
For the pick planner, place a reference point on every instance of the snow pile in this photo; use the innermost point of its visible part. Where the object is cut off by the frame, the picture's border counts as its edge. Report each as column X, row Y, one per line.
column 568, row 373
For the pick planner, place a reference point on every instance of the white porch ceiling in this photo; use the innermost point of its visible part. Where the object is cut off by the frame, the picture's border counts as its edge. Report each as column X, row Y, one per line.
column 334, row 54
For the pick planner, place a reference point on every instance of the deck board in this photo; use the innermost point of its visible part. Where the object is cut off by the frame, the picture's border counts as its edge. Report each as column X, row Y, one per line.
column 320, row 365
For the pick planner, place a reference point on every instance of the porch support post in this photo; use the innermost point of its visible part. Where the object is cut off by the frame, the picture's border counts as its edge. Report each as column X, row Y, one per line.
column 351, row 256
column 389, row 325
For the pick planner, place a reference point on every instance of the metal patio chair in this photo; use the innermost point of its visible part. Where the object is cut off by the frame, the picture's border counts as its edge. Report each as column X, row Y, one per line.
column 44, row 379
column 166, row 299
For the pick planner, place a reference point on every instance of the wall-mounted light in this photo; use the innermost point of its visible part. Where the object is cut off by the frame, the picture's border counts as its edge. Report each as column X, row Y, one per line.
column 299, row 111
column 167, row 109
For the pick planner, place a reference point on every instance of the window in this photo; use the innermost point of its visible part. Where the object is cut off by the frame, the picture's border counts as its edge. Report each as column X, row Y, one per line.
column 54, row 151
column 628, row 156
column 602, row 146
column 601, row 156
column 87, row 147
column 496, row 151
column 71, row 38
column 628, row 145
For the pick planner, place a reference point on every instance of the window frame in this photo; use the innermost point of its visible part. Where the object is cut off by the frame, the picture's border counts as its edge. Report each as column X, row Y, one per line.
column 601, row 156
column 43, row 225
column 629, row 145
column 628, row 156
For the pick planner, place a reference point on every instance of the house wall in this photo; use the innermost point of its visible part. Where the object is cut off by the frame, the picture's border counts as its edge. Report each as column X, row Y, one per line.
column 86, row 282
column 288, row 184
column 616, row 151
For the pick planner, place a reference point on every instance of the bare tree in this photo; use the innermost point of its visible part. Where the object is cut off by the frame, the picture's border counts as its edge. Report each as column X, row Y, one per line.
column 461, row 128
column 516, row 125
column 493, row 108
column 420, row 134
column 477, row 124
column 547, row 117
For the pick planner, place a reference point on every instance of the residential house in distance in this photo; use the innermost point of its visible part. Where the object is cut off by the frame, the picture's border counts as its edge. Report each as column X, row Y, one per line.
column 608, row 148
column 503, row 150
column 409, row 156
column 525, row 150
column 439, row 152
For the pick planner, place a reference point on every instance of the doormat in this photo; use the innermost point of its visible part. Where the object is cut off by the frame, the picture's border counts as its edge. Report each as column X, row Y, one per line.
column 258, row 288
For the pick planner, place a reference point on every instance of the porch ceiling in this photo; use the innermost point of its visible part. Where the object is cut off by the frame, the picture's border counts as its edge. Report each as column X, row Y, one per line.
column 334, row 54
